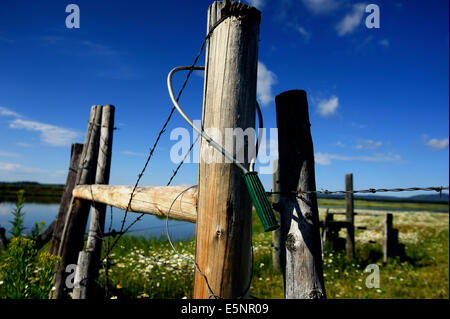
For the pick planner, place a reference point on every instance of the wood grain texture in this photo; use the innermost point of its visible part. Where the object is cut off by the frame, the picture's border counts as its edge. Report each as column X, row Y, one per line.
column 224, row 208
column 153, row 200
column 300, row 222
column 66, row 199
column 350, row 216
column 277, row 247
column 86, row 288
column 72, row 238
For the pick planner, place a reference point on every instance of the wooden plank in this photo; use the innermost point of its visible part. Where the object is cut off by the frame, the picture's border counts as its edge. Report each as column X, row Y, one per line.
column 300, row 216
column 84, row 268
column 153, row 200
column 86, row 289
column 66, row 199
column 72, row 239
column 360, row 214
column 224, row 207
column 277, row 251
column 350, row 217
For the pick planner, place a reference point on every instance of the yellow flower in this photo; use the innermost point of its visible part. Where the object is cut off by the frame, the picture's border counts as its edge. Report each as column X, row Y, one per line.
column 118, row 286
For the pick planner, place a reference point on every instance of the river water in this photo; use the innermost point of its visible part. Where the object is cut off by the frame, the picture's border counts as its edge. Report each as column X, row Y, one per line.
column 148, row 226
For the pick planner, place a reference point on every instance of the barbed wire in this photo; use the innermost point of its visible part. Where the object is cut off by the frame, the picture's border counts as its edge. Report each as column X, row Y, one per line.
column 438, row 189
column 124, row 230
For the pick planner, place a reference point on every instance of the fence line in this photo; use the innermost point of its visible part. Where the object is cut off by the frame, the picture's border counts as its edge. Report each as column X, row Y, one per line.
column 438, row 189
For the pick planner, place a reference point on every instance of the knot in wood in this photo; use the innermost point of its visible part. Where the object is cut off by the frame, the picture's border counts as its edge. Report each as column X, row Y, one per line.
column 316, row 294
column 307, row 215
column 220, row 233
column 290, row 242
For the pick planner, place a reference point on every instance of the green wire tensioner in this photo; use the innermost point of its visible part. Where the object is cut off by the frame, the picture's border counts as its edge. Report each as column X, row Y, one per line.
column 252, row 181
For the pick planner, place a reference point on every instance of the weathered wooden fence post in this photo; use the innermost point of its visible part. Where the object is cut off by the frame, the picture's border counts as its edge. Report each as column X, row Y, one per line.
column 276, row 234
column 350, row 216
column 224, row 208
column 66, row 198
column 89, row 260
column 390, row 238
column 300, row 216
column 328, row 236
column 72, row 239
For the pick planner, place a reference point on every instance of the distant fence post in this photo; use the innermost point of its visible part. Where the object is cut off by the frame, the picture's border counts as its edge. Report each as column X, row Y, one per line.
column 66, row 199
column 277, row 250
column 300, row 216
column 89, row 260
column 224, row 207
column 350, row 216
column 329, row 234
column 72, row 239
column 390, row 246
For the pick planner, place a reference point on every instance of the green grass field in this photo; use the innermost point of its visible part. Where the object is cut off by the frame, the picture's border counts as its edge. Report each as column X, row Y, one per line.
column 392, row 205
column 149, row 268
column 154, row 270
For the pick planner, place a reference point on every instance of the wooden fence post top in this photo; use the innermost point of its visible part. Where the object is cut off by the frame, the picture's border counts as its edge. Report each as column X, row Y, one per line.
column 291, row 93
column 235, row 9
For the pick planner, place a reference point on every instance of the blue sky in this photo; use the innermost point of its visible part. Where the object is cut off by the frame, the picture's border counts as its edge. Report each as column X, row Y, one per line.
column 378, row 98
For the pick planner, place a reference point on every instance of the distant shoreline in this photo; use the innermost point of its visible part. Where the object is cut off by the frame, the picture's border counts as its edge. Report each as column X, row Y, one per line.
column 51, row 194
column 34, row 192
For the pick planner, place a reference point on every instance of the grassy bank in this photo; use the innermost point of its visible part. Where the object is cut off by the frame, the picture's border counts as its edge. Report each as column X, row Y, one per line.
column 149, row 268
column 34, row 192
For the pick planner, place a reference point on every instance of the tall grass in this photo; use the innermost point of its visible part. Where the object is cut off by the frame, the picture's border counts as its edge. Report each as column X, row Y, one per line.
column 421, row 273
column 24, row 272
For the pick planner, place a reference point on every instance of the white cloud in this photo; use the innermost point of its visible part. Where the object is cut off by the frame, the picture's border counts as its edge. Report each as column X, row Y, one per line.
column 9, row 167
column 257, row 3
column 322, row 159
column 9, row 154
column 50, row 134
column 328, row 107
column 266, row 79
column 385, row 43
column 358, row 125
column 7, row 112
column 352, row 20
column 326, row 159
column 132, row 153
column 14, row 172
column 368, row 144
column 304, row 33
column 321, row 6
column 438, row 144
column 22, row 144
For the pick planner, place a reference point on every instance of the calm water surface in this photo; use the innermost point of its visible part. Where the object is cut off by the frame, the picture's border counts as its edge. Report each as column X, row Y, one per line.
column 148, row 226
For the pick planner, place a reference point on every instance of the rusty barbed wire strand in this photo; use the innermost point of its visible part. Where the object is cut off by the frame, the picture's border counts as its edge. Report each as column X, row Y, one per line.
column 438, row 189
column 123, row 231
